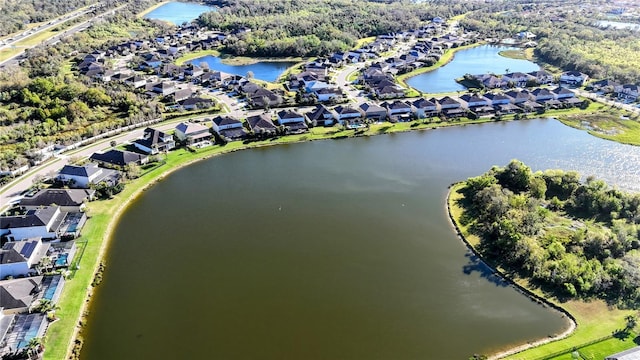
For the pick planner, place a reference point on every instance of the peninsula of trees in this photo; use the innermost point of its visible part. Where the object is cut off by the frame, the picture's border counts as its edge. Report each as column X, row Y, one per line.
column 572, row 239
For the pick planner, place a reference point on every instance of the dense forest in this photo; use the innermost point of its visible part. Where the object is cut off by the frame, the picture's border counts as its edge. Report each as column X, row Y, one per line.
column 16, row 14
column 317, row 27
column 43, row 102
column 567, row 38
column 573, row 239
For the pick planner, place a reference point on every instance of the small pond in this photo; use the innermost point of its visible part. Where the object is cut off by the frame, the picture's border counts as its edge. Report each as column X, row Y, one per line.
column 477, row 60
column 262, row 70
column 178, row 12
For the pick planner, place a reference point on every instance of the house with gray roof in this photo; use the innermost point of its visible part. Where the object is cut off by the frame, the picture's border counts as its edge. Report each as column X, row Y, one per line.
column 373, row 111
column 192, row 133
column 19, row 258
column 261, row 124
column 119, row 158
column 321, row 115
column 631, row 354
column 228, row 127
column 154, row 141
column 67, row 199
column 83, row 176
column 43, row 222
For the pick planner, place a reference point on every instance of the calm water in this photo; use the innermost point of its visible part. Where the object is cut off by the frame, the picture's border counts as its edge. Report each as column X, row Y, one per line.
column 178, row 12
column 477, row 60
column 618, row 25
column 336, row 249
column 263, row 70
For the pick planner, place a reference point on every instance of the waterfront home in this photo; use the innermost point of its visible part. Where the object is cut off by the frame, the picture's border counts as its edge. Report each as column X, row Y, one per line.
column 292, row 121
column 490, row 81
column 542, row 76
column 23, row 328
column 69, row 200
column 531, row 105
column 542, row 95
column 497, row 99
column 573, row 77
column 344, row 113
column 42, row 222
column 84, row 176
column 373, row 111
column 262, row 125
column 518, row 96
column 154, row 141
column 423, row 108
column 562, row 93
column 322, row 116
column 517, row 78
column 19, row 258
column 191, row 133
column 472, row 101
column 119, row 158
column 397, row 108
column 228, row 127
column 448, row 102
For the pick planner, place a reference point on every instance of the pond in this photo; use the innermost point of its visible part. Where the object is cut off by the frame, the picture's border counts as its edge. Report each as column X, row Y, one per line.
column 178, row 12
column 262, row 70
column 476, row 60
column 336, row 249
column 618, row 25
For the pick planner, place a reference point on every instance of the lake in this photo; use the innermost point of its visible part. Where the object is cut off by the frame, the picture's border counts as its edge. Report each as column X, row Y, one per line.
column 618, row 25
column 178, row 12
column 336, row 249
column 262, row 70
column 476, row 60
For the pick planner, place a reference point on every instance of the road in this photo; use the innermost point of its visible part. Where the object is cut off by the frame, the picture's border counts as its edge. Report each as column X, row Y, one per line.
column 54, row 39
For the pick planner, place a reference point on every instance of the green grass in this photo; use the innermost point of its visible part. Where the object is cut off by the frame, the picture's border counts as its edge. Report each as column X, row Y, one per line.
column 607, row 124
column 36, row 39
column 196, row 54
column 364, row 41
column 595, row 319
column 519, row 54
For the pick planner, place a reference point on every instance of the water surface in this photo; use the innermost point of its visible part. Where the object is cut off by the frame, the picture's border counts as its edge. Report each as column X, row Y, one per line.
column 178, row 13
column 476, row 60
column 618, row 25
column 262, row 70
column 337, row 249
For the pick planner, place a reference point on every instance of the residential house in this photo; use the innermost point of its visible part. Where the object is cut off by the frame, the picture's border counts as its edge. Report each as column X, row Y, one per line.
column 347, row 113
column 542, row 95
column 472, row 101
column 542, row 77
column 497, row 99
column 195, row 103
column 631, row 354
column 164, row 88
column 573, row 77
column 192, row 133
column 154, row 141
column 607, row 86
column 629, row 91
column 373, row 111
column 228, row 127
column 119, row 158
column 136, row 81
column 518, row 96
column 321, row 115
column 424, row 108
column 292, row 121
column 328, row 94
column 263, row 98
column 562, row 93
column 84, row 176
column 42, row 222
column 19, row 258
column 262, row 125
column 397, row 109
column 448, row 102
column 69, row 200
column 518, row 78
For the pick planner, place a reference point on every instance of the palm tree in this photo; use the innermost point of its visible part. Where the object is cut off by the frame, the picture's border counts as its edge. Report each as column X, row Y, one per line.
column 33, row 347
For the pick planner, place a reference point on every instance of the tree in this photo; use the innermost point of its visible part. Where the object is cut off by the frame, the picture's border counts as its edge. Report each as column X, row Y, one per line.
column 113, row 143
column 132, row 171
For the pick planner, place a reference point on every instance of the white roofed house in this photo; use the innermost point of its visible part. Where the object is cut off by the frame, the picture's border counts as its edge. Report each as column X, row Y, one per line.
column 154, row 141
column 192, row 133
column 292, row 121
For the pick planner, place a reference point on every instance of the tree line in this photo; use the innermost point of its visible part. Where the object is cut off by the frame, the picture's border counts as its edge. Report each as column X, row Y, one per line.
column 572, row 238
column 316, row 27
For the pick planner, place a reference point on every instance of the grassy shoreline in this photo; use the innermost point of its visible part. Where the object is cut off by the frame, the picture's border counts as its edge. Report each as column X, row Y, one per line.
column 228, row 59
column 148, row 10
column 76, row 295
column 593, row 321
